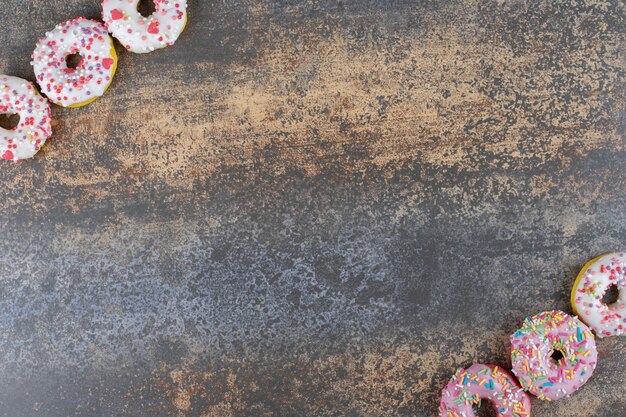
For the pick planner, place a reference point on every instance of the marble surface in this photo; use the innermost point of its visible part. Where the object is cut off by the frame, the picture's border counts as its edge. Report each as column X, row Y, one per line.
column 312, row 208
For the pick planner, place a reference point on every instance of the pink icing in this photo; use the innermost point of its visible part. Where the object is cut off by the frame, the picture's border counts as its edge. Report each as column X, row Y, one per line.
column 536, row 341
column 145, row 34
column 479, row 382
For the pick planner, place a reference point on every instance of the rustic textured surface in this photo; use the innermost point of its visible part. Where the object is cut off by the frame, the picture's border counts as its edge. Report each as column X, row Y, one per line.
column 312, row 208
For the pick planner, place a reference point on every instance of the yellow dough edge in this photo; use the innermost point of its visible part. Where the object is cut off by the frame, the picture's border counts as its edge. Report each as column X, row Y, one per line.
column 578, row 278
column 84, row 103
column 185, row 25
column 114, row 56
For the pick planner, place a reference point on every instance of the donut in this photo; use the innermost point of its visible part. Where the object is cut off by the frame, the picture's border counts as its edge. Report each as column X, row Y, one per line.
column 553, row 354
column 89, row 42
column 596, row 277
column 468, row 387
column 18, row 96
column 145, row 34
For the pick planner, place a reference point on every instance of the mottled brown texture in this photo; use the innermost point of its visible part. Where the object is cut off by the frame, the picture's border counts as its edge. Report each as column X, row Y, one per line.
column 312, row 208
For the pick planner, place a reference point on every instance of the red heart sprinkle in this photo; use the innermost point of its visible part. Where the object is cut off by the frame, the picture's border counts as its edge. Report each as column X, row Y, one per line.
column 8, row 155
column 153, row 27
column 116, row 14
column 107, row 62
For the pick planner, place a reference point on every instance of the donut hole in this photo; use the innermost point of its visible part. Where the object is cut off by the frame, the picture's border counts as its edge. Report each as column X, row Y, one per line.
column 485, row 409
column 557, row 355
column 146, row 8
column 611, row 295
column 73, row 60
column 9, row 121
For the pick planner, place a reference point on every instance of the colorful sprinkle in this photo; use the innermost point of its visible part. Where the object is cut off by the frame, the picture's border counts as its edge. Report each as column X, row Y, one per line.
column 593, row 281
column 534, row 344
column 145, row 34
column 93, row 74
column 468, row 387
column 18, row 96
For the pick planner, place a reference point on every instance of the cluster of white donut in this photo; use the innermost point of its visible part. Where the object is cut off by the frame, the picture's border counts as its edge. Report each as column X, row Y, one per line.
column 553, row 354
column 75, row 63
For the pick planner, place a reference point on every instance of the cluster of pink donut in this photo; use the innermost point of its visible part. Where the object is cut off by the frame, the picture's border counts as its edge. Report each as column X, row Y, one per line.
column 553, row 354
column 75, row 63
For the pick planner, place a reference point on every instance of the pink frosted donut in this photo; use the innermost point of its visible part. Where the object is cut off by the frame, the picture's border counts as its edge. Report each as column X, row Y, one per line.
column 479, row 382
column 18, row 96
column 553, row 354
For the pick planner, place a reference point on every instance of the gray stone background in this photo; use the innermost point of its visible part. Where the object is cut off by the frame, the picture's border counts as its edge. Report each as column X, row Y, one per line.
column 312, row 208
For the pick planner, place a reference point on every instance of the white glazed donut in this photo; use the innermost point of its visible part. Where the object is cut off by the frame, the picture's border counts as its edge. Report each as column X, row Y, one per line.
column 18, row 96
column 74, row 87
column 593, row 281
column 145, row 34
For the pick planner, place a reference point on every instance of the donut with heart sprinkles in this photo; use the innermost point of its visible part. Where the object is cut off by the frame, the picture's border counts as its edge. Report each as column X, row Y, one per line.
column 145, row 34
column 74, row 85
column 18, row 96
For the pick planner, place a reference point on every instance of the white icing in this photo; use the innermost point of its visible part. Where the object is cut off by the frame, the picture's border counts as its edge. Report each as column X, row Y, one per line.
column 66, row 86
column 18, row 96
column 145, row 34
column 595, row 280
